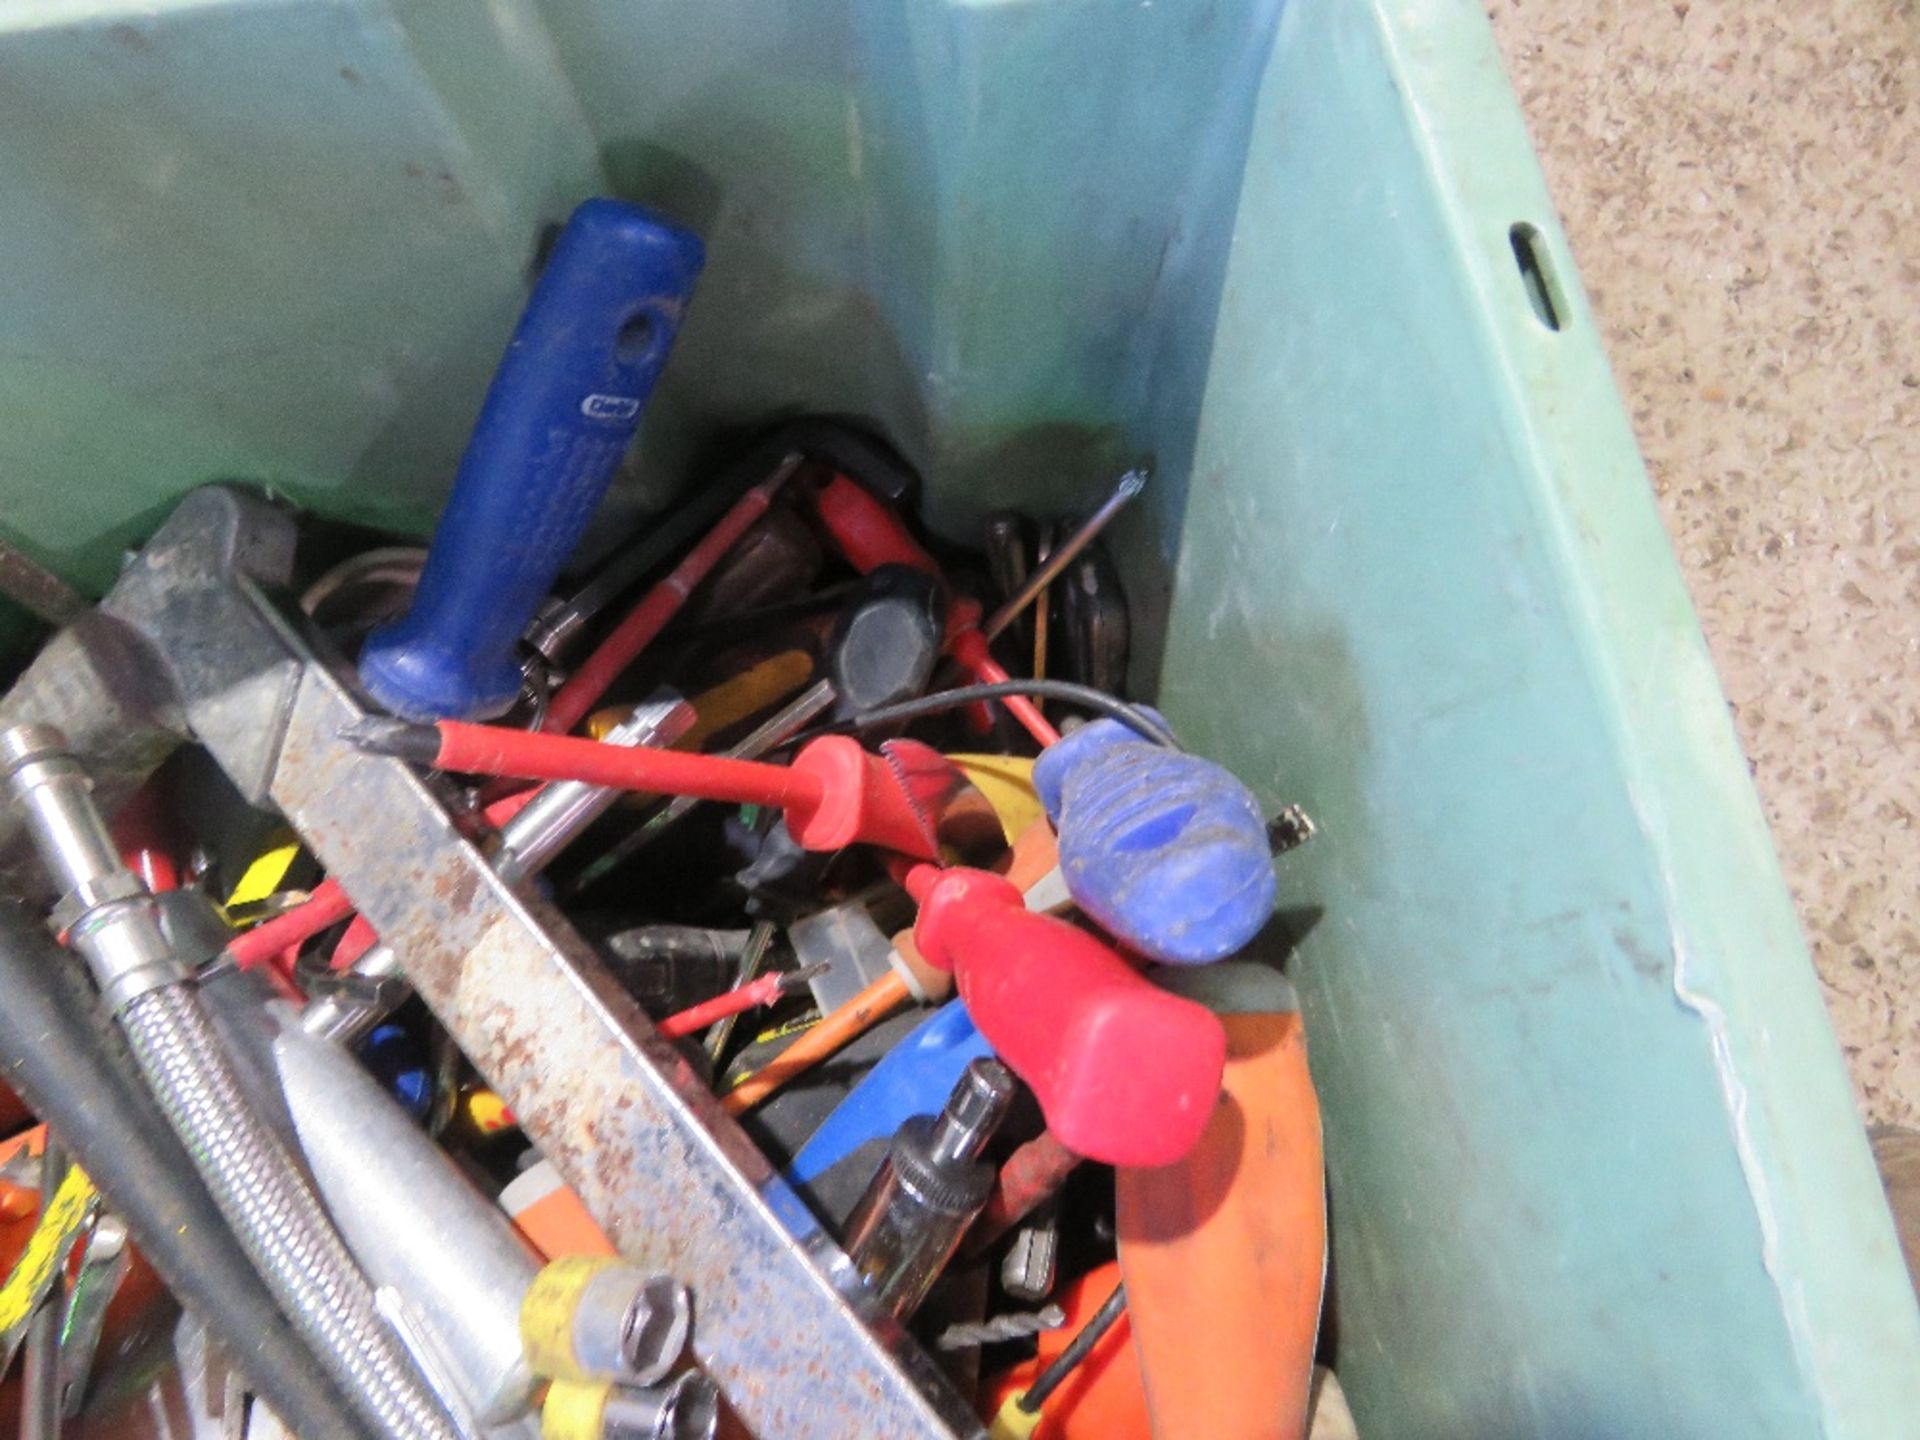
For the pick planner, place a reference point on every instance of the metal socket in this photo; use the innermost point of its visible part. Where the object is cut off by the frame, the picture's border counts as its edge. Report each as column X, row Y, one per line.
column 685, row 1408
column 647, row 1316
column 928, row 1191
column 590, row 1318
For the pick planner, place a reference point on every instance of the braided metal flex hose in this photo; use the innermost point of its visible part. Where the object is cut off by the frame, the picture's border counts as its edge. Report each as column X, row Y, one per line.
column 276, row 1218
column 110, row 918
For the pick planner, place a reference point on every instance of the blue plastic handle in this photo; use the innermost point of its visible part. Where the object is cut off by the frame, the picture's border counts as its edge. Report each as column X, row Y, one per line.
column 558, row 418
column 913, row 1078
column 1166, row 851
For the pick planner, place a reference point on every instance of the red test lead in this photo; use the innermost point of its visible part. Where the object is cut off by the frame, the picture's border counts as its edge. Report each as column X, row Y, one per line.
column 750, row 996
column 834, row 794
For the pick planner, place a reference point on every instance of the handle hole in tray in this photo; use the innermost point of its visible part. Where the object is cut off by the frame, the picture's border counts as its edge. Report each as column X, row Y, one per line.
column 1537, row 274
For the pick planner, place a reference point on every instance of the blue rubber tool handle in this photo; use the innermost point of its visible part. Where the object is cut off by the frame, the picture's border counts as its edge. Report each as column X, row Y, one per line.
column 1165, row 851
column 558, row 418
column 913, row 1078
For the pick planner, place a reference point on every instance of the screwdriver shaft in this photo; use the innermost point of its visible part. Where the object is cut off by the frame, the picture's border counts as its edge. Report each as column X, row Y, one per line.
column 1063, row 554
column 778, row 728
column 759, row 939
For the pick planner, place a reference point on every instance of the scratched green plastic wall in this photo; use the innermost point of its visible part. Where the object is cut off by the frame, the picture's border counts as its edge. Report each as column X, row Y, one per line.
column 1594, row 1166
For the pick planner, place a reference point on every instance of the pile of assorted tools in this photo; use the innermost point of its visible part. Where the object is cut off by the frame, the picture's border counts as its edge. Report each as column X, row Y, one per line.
column 767, row 981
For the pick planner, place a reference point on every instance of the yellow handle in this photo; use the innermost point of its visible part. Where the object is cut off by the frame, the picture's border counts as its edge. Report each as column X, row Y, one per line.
column 1007, row 782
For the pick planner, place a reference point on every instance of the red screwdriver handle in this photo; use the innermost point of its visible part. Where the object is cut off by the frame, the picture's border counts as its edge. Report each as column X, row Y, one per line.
column 575, row 699
column 1126, row 1073
column 866, row 529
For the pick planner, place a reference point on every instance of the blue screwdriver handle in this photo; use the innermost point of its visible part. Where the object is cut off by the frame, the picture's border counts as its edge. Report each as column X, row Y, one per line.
column 1166, row 851
column 558, row 418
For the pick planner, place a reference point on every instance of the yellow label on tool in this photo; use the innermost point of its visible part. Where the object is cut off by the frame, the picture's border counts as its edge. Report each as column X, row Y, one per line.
column 46, row 1247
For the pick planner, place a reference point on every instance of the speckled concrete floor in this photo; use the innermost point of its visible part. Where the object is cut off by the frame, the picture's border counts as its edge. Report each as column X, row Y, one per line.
column 1740, row 180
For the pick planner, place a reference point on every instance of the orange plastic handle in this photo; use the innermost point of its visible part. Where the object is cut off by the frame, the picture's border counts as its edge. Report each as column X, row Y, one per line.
column 1225, row 1252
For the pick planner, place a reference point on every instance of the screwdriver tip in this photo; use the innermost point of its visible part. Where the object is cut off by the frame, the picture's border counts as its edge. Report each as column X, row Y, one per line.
column 399, row 738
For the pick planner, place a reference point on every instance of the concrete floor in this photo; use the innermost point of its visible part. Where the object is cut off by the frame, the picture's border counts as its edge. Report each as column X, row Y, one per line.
column 1741, row 185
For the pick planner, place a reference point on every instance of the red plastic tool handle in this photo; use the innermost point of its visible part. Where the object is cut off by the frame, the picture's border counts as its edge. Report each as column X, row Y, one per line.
column 695, row 1018
column 327, row 906
column 1125, row 1072
column 497, row 750
column 867, row 531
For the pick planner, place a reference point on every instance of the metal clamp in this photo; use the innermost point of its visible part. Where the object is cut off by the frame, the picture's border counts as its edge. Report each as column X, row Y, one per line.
column 73, row 907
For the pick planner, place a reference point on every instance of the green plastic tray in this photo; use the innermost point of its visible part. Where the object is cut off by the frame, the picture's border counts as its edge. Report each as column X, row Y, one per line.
column 1595, row 1167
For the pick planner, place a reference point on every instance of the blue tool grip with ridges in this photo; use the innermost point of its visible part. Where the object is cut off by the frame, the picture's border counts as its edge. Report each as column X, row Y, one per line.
column 558, row 418
column 1165, row 851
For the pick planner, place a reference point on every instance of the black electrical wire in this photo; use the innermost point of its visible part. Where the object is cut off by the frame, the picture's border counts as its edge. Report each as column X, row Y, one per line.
column 1078, row 1348
column 1132, row 716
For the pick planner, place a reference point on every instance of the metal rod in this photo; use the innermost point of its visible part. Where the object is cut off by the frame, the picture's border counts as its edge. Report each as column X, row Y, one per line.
column 1042, row 611
column 777, row 729
column 1063, row 554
